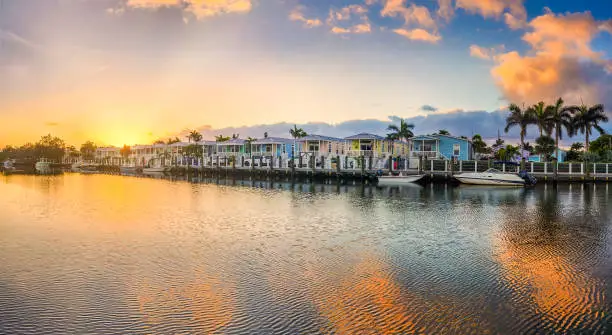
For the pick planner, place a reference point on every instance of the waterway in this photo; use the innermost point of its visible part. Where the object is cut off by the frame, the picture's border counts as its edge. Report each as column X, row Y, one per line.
column 108, row 254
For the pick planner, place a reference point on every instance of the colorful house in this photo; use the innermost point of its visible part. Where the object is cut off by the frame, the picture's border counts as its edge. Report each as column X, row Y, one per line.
column 368, row 145
column 439, row 146
column 273, row 146
column 233, row 147
column 321, row 146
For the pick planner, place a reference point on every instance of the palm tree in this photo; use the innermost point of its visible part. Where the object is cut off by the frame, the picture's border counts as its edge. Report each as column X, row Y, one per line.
column 222, row 138
column 480, row 146
column 444, row 132
column 249, row 140
column 545, row 146
column 585, row 119
column 521, row 118
column 297, row 132
column 403, row 132
column 558, row 118
column 511, row 152
column 195, row 136
column 539, row 113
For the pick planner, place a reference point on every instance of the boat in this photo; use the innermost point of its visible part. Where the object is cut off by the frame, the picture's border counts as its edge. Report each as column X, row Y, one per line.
column 128, row 169
column 43, row 166
column 495, row 177
column 399, row 179
column 154, row 169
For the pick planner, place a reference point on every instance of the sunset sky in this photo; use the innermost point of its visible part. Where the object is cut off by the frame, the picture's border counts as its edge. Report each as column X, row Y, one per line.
column 132, row 71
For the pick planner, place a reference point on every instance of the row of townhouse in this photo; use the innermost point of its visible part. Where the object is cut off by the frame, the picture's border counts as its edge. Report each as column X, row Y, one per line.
column 315, row 148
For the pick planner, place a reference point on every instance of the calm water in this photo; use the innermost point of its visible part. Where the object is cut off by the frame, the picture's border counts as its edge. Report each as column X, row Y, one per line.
column 110, row 254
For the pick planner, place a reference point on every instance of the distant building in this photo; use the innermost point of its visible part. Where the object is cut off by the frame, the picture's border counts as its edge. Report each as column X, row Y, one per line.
column 108, row 155
column 439, row 146
column 369, row 145
column 273, row 146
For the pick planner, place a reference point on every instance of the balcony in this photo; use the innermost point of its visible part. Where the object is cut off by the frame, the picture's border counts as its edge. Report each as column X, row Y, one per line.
column 426, row 154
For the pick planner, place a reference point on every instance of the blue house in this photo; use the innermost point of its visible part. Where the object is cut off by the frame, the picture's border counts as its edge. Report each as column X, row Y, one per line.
column 273, row 146
column 438, row 146
column 539, row 158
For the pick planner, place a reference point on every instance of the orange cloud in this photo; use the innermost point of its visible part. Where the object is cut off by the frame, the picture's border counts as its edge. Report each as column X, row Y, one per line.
column 418, row 35
column 561, row 62
column 515, row 17
column 419, row 15
column 355, row 15
column 485, row 53
column 199, row 8
column 606, row 26
column 445, row 9
column 298, row 15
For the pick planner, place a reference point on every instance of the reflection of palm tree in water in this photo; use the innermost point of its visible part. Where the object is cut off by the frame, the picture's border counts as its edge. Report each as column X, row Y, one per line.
column 541, row 257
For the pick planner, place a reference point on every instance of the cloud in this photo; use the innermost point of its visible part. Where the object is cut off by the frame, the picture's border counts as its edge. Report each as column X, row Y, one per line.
column 297, row 15
column 418, row 35
column 485, row 53
column 350, row 19
column 445, row 9
column 428, row 108
column 606, row 26
column 9, row 36
column 201, row 9
column 458, row 122
column 52, row 124
column 561, row 63
column 414, row 14
column 513, row 11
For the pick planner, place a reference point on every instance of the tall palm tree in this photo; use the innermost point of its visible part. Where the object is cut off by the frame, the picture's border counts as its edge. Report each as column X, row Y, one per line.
column 521, row 118
column 297, row 132
column 585, row 119
column 195, row 136
column 403, row 132
column 443, row 132
column 539, row 114
column 559, row 118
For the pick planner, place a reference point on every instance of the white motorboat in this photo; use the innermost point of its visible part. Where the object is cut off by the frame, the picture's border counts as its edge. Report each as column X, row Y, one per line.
column 399, row 179
column 128, row 169
column 491, row 177
column 43, row 166
column 154, row 169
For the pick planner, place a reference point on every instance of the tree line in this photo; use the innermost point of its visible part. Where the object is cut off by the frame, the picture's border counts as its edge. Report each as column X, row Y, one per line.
column 553, row 121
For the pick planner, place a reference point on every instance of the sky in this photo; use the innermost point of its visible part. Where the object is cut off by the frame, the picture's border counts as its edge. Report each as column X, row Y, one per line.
column 133, row 71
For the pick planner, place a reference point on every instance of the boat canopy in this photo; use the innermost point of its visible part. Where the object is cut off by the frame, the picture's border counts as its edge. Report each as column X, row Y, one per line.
column 492, row 170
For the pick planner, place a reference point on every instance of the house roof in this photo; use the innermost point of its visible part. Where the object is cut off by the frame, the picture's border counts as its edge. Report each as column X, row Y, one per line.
column 272, row 140
column 424, row 138
column 364, row 136
column 436, row 137
column 233, row 141
column 319, row 138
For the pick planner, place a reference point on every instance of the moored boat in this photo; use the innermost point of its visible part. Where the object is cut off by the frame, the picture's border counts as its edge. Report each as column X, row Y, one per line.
column 399, row 179
column 495, row 177
column 154, row 169
column 43, row 166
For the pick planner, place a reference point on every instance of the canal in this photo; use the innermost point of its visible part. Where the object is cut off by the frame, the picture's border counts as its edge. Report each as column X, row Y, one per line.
column 111, row 254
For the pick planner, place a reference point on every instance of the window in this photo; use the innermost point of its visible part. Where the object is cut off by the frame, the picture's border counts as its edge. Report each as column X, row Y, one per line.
column 313, row 146
column 456, row 149
column 329, row 147
column 366, row 146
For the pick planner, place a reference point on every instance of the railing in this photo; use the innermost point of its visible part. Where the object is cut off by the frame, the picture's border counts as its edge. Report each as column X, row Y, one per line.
column 427, row 154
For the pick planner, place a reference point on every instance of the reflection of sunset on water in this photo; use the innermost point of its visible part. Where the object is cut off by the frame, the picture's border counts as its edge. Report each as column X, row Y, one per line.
column 560, row 292
column 205, row 303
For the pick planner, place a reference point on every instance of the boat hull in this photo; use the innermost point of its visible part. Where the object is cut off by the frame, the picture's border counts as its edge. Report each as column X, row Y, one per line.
column 154, row 170
column 490, row 181
column 398, row 180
